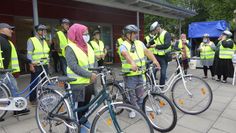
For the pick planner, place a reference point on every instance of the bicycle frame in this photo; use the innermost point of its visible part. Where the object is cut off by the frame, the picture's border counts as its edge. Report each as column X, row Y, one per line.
column 99, row 99
column 43, row 79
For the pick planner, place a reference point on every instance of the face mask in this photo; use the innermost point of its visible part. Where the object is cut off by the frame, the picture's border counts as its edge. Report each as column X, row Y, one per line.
column 205, row 40
column 86, row 38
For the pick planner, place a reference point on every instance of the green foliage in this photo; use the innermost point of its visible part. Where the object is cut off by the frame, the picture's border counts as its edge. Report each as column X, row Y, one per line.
column 207, row 10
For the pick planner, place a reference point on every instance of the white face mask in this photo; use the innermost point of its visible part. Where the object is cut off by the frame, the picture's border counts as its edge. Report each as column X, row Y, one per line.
column 86, row 38
column 205, row 40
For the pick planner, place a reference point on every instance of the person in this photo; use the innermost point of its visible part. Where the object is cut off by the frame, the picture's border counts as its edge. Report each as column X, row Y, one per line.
column 98, row 47
column 149, row 42
column 133, row 54
column 9, row 60
column 119, row 42
column 183, row 46
column 37, row 49
column 61, row 42
column 55, row 57
column 163, row 46
column 224, row 65
column 207, row 53
column 80, row 56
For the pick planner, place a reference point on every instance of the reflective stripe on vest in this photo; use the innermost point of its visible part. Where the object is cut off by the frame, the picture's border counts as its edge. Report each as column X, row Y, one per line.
column 137, row 56
column 98, row 48
column 180, row 46
column 14, row 64
column 207, row 52
column 160, row 41
column 40, row 51
column 153, row 50
column 85, row 61
column 1, row 59
column 226, row 53
column 62, row 42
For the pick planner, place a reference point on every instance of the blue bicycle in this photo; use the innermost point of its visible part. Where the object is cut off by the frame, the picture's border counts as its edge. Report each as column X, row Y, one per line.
column 11, row 100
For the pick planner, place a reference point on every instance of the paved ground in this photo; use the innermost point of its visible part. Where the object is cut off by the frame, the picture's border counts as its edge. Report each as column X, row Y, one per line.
column 219, row 118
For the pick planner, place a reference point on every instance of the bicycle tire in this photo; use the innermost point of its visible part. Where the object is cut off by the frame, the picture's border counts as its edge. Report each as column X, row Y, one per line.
column 138, row 128
column 203, row 90
column 4, row 90
column 65, row 105
column 162, row 105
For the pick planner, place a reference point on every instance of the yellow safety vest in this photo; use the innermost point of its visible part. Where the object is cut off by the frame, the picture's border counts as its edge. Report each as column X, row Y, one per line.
column 119, row 43
column 207, row 52
column 180, row 46
column 153, row 50
column 40, row 51
column 138, row 57
column 98, row 48
column 160, row 41
column 62, row 42
column 14, row 63
column 1, row 59
column 85, row 61
column 226, row 53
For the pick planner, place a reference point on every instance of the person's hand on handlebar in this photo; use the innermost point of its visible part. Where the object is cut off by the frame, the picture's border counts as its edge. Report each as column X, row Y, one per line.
column 156, row 63
column 134, row 67
column 93, row 78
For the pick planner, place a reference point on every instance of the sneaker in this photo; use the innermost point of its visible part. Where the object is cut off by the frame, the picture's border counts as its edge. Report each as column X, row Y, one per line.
column 132, row 114
column 218, row 80
column 204, row 77
column 224, row 81
column 22, row 112
column 85, row 127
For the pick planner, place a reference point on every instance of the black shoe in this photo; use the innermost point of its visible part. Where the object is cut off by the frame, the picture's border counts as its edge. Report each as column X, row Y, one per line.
column 205, row 77
column 218, row 80
column 1, row 119
column 22, row 112
column 224, row 81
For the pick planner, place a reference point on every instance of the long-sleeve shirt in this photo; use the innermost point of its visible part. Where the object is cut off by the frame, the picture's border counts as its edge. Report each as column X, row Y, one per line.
column 167, row 42
column 30, row 47
column 73, row 64
column 6, row 50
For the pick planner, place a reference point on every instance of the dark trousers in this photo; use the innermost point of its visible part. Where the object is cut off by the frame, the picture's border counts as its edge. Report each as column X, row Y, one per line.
column 100, row 62
column 205, row 68
column 38, row 70
column 63, row 65
column 56, row 61
column 89, row 91
column 164, row 64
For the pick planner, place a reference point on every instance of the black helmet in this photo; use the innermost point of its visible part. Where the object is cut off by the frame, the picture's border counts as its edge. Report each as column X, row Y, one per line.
column 130, row 28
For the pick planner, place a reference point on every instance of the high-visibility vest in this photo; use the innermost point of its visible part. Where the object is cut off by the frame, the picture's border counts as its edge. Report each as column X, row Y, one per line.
column 1, row 59
column 207, row 52
column 153, row 50
column 226, row 53
column 119, row 43
column 180, row 46
column 98, row 48
column 14, row 63
column 85, row 61
column 40, row 51
column 138, row 57
column 62, row 42
column 160, row 41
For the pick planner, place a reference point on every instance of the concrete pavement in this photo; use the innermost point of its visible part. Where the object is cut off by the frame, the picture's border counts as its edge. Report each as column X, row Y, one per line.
column 219, row 118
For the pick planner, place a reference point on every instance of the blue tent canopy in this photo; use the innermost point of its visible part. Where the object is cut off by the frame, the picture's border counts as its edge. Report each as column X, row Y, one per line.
column 213, row 28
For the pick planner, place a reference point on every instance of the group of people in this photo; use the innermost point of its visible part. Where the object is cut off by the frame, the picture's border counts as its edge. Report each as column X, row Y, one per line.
column 78, row 53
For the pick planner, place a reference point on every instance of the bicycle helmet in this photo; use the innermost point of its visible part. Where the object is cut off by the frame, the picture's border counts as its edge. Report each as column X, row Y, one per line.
column 130, row 28
column 154, row 26
column 206, row 35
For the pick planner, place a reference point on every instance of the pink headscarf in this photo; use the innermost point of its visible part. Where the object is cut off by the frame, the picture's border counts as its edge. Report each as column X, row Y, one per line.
column 75, row 34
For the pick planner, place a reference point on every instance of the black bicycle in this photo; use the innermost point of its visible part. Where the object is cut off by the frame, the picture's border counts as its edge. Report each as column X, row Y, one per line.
column 56, row 111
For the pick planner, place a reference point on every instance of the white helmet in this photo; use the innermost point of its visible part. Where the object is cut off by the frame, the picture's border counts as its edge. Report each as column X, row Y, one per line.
column 206, row 35
column 228, row 33
column 154, row 26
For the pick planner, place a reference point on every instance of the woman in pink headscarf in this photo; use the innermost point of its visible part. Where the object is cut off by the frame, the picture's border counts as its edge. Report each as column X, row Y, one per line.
column 80, row 56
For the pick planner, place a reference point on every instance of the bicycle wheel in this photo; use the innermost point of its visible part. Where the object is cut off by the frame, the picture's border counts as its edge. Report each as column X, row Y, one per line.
column 40, row 87
column 103, row 123
column 117, row 94
column 4, row 93
column 160, row 111
column 46, row 122
column 197, row 101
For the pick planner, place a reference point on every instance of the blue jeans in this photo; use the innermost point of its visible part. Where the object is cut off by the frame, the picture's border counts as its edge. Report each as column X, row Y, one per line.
column 164, row 64
column 134, row 84
column 63, row 65
column 12, row 84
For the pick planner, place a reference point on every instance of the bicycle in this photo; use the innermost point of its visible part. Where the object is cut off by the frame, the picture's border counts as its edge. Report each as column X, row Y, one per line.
column 56, row 112
column 157, row 107
column 11, row 100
